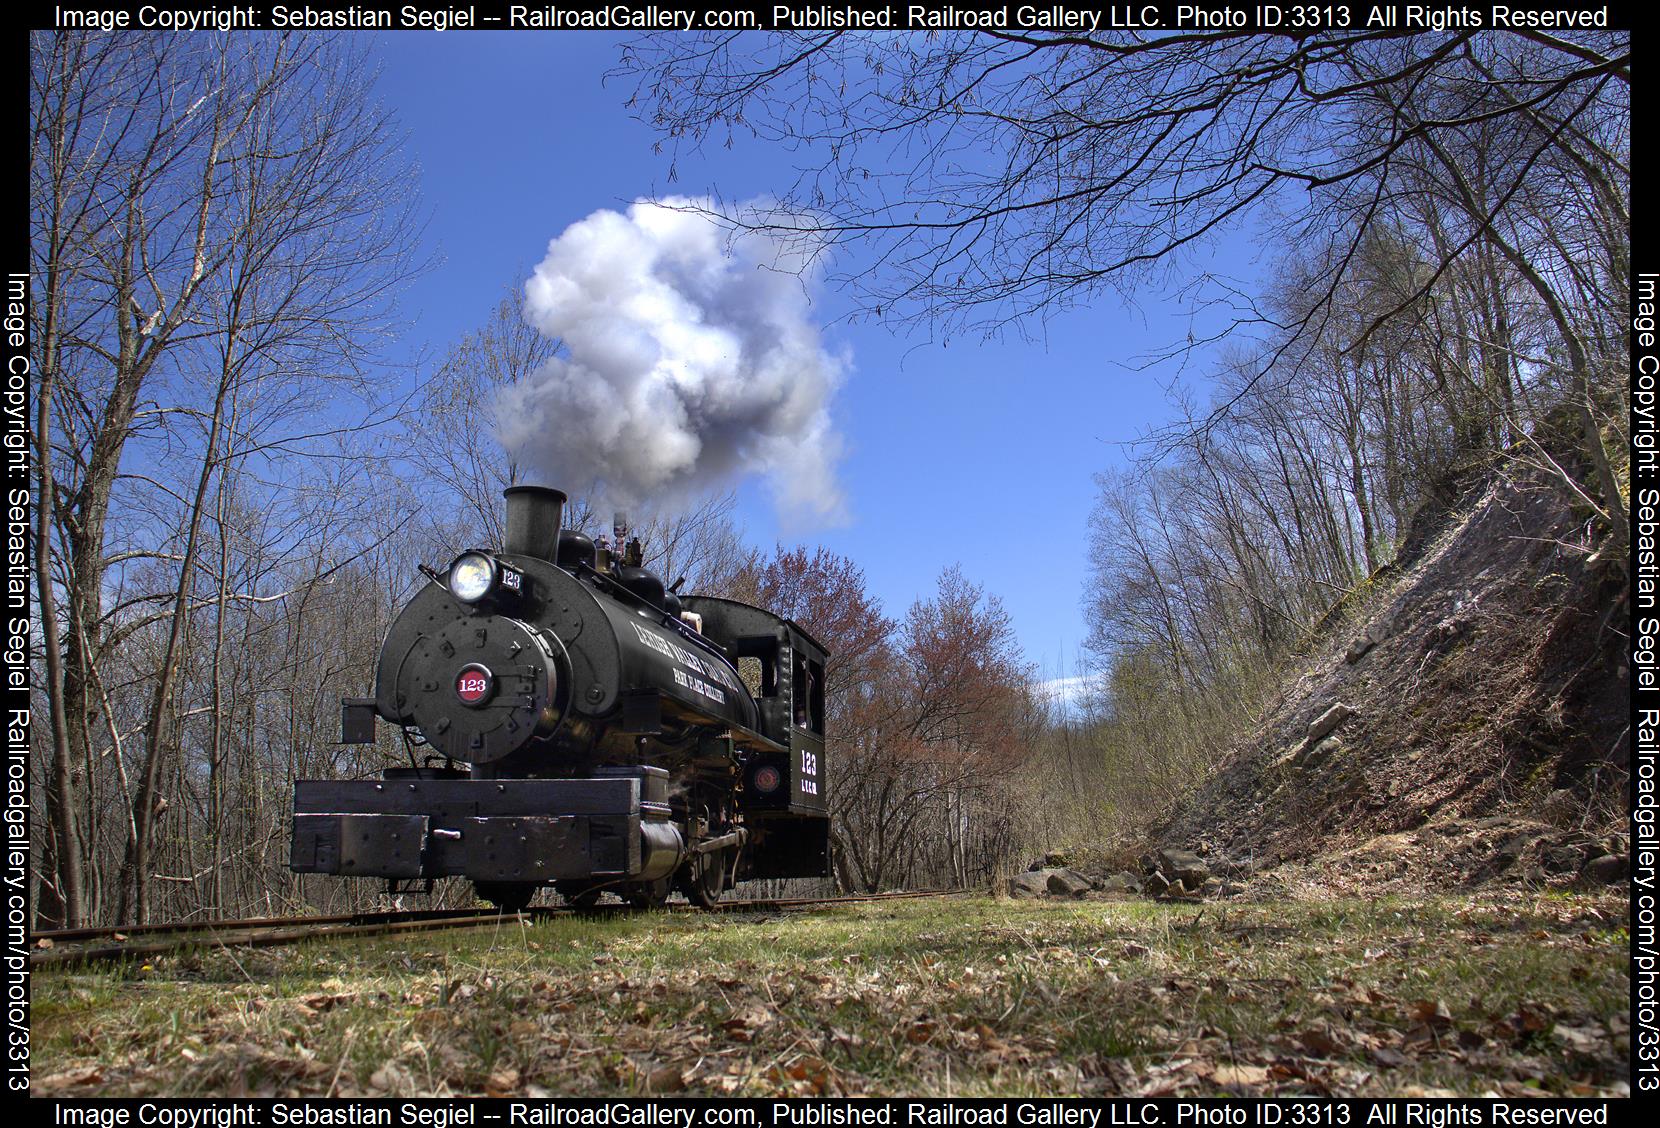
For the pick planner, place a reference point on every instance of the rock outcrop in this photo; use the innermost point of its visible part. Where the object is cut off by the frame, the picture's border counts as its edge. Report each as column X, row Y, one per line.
column 1473, row 678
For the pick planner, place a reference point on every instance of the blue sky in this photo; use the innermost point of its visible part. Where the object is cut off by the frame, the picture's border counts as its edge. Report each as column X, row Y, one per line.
column 976, row 454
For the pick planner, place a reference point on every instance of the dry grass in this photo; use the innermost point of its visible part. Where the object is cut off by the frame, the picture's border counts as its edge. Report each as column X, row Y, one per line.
column 964, row 996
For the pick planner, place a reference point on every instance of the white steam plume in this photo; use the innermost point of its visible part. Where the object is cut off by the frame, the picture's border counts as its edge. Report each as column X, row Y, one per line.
column 690, row 360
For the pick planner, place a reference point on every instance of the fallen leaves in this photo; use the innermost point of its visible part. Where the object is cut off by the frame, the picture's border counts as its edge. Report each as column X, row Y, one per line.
column 392, row 1079
column 743, row 1026
column 502, row 1083
column 55, row 1084
column 1237, row 1076
column 310, row 1006
column 1432, row 1013
column 1097, row 998
column 803, row 1077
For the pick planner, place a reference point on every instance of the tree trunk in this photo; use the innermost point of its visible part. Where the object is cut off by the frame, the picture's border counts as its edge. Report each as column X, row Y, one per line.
column 135, row 888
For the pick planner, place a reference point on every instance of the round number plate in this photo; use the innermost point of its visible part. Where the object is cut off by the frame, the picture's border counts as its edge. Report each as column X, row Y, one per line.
column 474, row 684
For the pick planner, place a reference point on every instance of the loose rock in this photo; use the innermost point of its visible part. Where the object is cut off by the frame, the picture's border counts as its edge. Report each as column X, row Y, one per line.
column 1068, row 883
column 1327, row 721
column 1563, row 859
column 1605, row 870
column 1122, row 882
column 1184, row 866
column 1312, row 755
column 1033, row 884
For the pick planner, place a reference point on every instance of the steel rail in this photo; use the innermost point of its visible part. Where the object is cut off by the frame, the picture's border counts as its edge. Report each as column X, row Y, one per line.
column 264, row 932
column 62, row 935
column 260, row 939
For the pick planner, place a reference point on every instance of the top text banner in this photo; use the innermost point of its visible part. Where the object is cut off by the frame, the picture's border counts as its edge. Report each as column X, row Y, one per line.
column 1042, row 18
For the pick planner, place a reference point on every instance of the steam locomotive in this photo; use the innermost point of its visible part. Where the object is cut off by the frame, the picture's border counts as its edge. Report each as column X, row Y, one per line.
column 579, row 726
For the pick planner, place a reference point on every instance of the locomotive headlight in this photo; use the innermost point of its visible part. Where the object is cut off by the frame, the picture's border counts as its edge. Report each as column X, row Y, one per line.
column 472, row 576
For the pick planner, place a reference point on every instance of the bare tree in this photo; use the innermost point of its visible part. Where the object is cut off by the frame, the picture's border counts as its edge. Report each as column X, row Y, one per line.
column 215, row 218
column 452, row 434
column 991, row 178
column 999, row 174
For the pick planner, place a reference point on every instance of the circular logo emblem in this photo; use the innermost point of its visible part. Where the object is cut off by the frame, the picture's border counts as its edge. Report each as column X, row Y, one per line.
column 767, row 778
column 474, row 684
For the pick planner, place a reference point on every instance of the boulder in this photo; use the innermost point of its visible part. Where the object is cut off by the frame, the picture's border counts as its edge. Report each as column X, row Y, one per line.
column 1224, row 866
column 1184, row 866
column 1033, row 884
column 1122, row 882
column 1605, row 870
column 1212, row 887
column 1064, row 882
column 1369, row 638
column 1562, row 859
column 1322, row 725
column 1155, row 884
column 1313, row 755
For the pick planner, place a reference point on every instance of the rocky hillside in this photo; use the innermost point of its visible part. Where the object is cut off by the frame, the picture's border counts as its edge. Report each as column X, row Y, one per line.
column 1461, row 719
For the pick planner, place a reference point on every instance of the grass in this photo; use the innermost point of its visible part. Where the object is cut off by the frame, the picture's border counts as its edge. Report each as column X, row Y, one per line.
column 966, row 996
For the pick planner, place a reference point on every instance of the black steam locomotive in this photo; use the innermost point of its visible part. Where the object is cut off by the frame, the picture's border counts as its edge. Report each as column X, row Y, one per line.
column 572, row 723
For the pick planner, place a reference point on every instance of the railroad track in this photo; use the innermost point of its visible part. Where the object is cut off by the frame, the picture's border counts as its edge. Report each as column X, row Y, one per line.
column 70, row 946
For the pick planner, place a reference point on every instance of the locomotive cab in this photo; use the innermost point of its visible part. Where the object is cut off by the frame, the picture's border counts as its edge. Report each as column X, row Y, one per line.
column 785, row 791
column 592, row 738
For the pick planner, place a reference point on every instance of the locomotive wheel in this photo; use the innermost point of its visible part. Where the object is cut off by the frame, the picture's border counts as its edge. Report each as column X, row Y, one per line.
column 508, row 896
column 703, row 878
column 645, row 894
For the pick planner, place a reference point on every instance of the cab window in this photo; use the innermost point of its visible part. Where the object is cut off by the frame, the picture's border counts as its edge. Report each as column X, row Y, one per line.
column 758, row 664
column 807, row 688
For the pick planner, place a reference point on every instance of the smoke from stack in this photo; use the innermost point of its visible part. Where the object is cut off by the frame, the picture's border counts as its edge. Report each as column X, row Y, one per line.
column 689, row 361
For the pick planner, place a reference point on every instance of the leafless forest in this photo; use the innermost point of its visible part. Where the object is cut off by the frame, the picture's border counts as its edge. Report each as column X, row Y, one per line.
column 230, row 505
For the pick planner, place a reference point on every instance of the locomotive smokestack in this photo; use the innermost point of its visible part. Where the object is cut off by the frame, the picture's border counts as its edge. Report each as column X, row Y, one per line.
column 534, row 514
